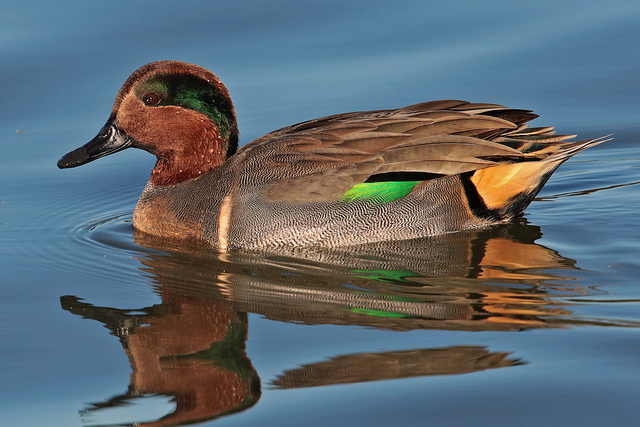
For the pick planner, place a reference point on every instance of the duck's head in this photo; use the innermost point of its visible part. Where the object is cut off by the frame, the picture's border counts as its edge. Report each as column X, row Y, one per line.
column 179, row 112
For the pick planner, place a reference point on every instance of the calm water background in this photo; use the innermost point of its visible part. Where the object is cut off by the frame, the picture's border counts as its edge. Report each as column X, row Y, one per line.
column 531, row 324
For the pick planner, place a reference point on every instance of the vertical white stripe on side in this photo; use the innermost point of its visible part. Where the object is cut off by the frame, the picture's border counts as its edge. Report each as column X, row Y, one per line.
column 224, row 221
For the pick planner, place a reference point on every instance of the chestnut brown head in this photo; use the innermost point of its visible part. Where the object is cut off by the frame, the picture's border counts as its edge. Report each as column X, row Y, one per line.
column 179, row 112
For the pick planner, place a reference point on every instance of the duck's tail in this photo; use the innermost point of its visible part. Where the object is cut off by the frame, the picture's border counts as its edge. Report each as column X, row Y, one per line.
column 505, row 190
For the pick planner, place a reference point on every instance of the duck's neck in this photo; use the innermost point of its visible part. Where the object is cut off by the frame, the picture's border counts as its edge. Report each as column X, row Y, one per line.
column 189, row 161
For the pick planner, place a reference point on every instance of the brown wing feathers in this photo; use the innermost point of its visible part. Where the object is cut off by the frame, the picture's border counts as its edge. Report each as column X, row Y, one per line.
column 489, row 141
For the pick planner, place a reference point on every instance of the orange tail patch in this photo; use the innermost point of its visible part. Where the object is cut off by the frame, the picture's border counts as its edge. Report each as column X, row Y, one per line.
column 503, row 185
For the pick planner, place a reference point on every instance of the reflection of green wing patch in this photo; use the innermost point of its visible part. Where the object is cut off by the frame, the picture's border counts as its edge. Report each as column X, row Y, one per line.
column 380, row 192
column 388, row 276
column 378, row 313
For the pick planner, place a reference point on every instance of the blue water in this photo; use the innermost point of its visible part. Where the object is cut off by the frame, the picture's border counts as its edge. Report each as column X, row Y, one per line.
column 534, row 323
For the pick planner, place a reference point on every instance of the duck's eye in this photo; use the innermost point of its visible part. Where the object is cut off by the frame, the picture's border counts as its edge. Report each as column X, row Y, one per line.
column 151, row 99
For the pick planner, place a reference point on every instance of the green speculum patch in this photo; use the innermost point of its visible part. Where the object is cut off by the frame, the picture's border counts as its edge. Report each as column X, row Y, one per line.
column 379, row 192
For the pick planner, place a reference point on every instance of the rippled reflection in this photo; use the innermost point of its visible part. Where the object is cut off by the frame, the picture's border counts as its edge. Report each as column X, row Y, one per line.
column 191, row 347
column 363, row 367
column 496, row 279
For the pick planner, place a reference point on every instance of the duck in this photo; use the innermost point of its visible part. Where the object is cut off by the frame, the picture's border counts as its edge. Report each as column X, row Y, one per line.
column 426, row 169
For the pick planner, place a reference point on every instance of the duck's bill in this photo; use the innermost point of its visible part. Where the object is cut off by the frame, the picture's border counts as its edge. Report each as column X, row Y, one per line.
column 111, row 139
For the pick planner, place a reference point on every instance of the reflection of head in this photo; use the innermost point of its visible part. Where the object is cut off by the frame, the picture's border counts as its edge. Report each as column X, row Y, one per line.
column 190, row 349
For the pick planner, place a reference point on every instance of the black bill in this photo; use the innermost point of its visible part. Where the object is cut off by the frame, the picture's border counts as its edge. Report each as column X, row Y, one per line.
column 111, row 139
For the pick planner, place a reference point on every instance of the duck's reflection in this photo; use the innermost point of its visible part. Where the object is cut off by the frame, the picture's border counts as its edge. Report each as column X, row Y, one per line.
column 192, row 346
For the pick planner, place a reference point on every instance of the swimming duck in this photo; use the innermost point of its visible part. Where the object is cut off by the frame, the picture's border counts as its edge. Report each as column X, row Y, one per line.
column 430, row 168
